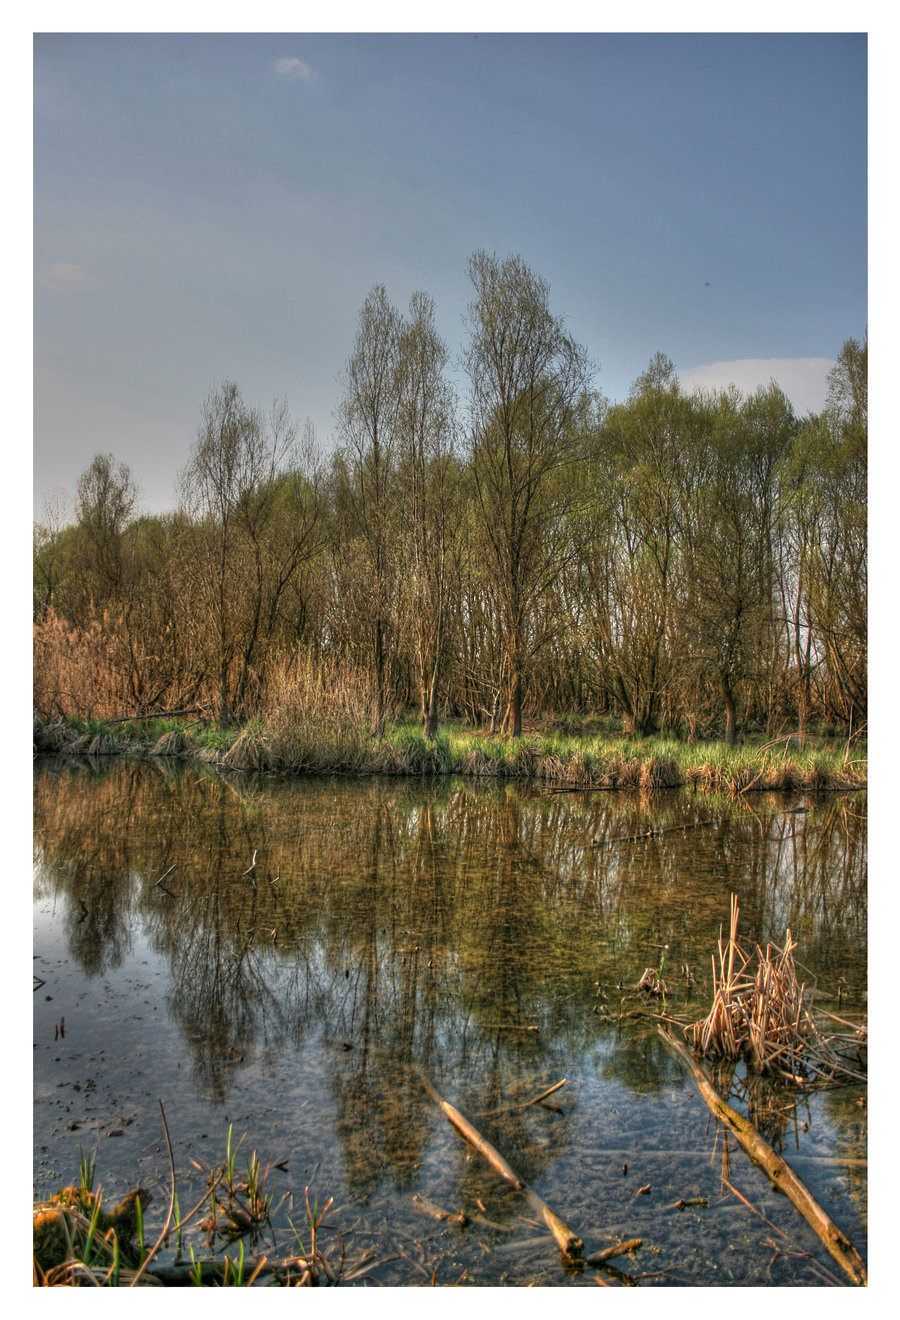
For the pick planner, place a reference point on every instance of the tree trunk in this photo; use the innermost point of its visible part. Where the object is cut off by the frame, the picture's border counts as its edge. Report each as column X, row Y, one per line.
column 515, row 704
column 730, row 711
column 379, row 679
column 431, row 714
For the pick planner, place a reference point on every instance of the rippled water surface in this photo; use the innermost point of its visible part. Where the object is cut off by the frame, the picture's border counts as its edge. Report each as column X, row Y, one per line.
column 290, row 959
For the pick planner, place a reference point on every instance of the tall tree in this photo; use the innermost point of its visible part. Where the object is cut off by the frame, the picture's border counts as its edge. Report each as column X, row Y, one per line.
column 642, row 467
column 827, row 482
column 107, row 495
column 368, row 427
column 429, row 513
column 731, row 608
column 529, row 380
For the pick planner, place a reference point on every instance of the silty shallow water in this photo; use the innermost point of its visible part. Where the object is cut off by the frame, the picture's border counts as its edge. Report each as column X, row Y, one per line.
column 484, row 937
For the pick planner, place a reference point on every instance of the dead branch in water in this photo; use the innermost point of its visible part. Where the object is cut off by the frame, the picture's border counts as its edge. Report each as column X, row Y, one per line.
column 445, row 1216
column 543, row 1096
column 777, row 1170
column 568, row 1242
column 617, row 1249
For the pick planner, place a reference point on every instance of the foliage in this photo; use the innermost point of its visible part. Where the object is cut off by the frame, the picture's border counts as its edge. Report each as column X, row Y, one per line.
column 684, row 563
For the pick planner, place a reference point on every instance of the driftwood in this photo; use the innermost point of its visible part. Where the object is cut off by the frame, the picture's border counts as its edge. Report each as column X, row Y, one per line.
column 569, row 1243
column 778, row 1171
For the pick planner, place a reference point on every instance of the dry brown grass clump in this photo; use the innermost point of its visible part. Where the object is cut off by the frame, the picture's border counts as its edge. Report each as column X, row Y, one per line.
column 475, row 763
column 56, row 736
column 173, row 743
column 660, row 772
column 249, row 751
column 762, row 1013
column 104, row 744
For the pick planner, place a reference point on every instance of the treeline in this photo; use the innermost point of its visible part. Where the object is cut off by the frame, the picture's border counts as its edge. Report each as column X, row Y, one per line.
column 686, row 562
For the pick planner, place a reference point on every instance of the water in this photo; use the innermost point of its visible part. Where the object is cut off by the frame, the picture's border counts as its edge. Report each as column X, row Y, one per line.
column 288, row 959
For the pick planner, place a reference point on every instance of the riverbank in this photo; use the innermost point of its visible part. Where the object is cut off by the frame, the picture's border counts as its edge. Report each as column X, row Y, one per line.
column 558, row 759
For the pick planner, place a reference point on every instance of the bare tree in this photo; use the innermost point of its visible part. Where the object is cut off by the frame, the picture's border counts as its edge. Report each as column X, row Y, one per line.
column 368, row 427
column 528, row 379
column 429, row 512
column 254, row 519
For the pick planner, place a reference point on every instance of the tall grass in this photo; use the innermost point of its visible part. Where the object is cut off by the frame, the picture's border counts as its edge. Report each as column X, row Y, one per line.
column 319, row 719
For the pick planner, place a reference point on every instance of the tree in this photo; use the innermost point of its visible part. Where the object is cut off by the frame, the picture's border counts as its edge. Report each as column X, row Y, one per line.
column 642, row 467
column 426, row 425
column 45, row 543
column 826, row 491
column 253, row 519
column 529, row 380
column 731, row 607
column 107, row 495
column 368, row 427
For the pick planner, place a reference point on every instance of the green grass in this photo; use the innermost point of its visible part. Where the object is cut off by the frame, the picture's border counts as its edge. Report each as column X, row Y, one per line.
column 592, row 757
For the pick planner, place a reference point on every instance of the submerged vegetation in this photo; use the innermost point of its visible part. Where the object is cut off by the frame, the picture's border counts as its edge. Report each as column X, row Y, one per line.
column 77, row 1242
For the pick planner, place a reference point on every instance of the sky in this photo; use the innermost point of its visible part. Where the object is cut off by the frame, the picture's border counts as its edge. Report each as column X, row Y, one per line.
column 214, row 206
column 209, row 206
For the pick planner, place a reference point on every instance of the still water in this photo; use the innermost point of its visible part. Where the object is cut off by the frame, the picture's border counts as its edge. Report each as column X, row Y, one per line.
column 289, row 959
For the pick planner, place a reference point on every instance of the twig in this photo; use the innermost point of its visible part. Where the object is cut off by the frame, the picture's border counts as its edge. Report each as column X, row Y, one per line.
column 543, row 1095
column 445, row 1216
column 617, row 1249
column 165, row 1228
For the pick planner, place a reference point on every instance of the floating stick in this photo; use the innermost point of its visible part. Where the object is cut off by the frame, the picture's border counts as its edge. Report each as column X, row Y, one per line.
column 568, row 1242
column 780, row 1173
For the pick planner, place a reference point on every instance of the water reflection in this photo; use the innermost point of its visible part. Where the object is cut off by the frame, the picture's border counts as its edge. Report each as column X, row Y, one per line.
column 484, row 936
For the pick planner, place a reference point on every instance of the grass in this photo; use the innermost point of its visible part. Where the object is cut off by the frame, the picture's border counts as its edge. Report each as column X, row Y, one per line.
column 77, row 1243
column 300, row 742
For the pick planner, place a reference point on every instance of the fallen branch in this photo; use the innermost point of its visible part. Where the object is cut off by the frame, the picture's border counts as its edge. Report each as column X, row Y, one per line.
column 780, row 1173
column 568, row 1242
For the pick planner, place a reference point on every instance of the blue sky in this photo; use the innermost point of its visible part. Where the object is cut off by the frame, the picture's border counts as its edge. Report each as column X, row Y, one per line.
column 211, row 206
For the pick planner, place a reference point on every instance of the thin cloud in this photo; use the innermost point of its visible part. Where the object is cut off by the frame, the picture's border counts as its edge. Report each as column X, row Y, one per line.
column 62, row 276
column 291, row 67
column 804, row 380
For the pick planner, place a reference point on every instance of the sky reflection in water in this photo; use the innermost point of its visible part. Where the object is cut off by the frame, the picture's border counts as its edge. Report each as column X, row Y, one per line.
column 479, row 935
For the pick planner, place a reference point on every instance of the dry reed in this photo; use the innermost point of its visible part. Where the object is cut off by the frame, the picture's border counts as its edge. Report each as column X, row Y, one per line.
column 760, row 1012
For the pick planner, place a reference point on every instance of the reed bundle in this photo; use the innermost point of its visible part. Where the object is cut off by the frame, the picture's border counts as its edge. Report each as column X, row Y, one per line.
column 761, row 1013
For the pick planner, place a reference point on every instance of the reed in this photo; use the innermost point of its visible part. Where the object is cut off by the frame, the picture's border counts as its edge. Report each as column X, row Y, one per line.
column 761, row 1012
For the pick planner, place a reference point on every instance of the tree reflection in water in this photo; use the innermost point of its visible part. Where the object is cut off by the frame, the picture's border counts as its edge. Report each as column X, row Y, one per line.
column 484, row 936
